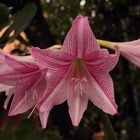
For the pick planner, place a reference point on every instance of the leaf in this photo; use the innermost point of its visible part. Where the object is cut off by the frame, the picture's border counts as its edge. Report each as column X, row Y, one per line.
column 20, row 21
column 4, row 16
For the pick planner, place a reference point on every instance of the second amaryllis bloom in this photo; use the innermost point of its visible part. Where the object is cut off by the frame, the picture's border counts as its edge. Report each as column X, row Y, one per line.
column 131, row 50
column 79, row 72
column 21, row 78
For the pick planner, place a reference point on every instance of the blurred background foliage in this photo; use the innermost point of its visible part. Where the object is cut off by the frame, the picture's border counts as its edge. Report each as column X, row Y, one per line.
column 44, row 23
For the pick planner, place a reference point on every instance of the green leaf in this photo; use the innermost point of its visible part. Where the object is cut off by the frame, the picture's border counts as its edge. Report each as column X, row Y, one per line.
column 20, row 21
column 4, row 16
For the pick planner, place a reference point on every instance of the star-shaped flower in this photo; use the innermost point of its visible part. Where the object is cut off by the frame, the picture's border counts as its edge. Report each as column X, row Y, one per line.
column 79, row 72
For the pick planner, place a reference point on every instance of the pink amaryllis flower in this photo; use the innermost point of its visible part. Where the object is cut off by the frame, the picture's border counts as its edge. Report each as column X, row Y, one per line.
column 21, row 78
column 79, row 71
column 131, row 51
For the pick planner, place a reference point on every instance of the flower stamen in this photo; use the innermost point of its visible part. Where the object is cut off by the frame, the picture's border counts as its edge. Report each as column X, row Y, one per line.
column 31, row 112
column 79, row 84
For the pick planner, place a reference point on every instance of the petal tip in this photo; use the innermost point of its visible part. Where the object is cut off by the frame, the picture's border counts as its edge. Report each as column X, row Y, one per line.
column 10, row 113
column 80, row 18
column 75, row 124
column 44, row 118
column 113, row 112
column 43, row 125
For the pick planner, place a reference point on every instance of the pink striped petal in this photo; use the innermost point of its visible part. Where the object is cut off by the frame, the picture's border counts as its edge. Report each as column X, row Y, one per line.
column 51, row 58
column 39, row 84
column 77, row 103
column 12, row 78
column 29, row 95
column 54, row 94
column 75, row 90
column 56, row 97
column 19, row 96
column 23, row 101
column 101, row 91
column 102, row 59
column 21, row 107
column 80, row 39
column 21, row 66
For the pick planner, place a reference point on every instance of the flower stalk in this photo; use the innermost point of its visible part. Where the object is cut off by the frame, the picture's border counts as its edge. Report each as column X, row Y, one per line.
column 109, row 130
column 107, row 44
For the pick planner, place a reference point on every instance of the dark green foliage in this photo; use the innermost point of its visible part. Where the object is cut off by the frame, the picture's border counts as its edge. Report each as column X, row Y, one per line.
column 19, row 22
column 4, row 16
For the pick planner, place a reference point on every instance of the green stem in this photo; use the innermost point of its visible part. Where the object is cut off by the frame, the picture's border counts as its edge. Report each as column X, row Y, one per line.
column 109, row 130
column 107, row 44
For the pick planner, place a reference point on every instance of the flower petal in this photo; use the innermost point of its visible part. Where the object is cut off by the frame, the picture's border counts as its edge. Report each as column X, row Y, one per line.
column 4, row 87
column 101, row 91
column 53, row 94
column 9, row 94
column 39, row 85
column 102, row 60
column 22, row 102
column 51, row 58
column 21, row 66
column 29, row 94
column 77, row 103
column 7, row 100
column 12, row 78
column 44, row 118
column 17, row 101
column 80, row 39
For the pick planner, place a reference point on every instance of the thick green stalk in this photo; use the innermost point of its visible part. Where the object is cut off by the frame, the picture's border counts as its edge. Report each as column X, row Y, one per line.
column 109, row 130
column 107, row 44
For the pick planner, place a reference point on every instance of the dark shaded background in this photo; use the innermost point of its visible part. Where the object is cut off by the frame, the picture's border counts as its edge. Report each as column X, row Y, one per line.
column 112, row 20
